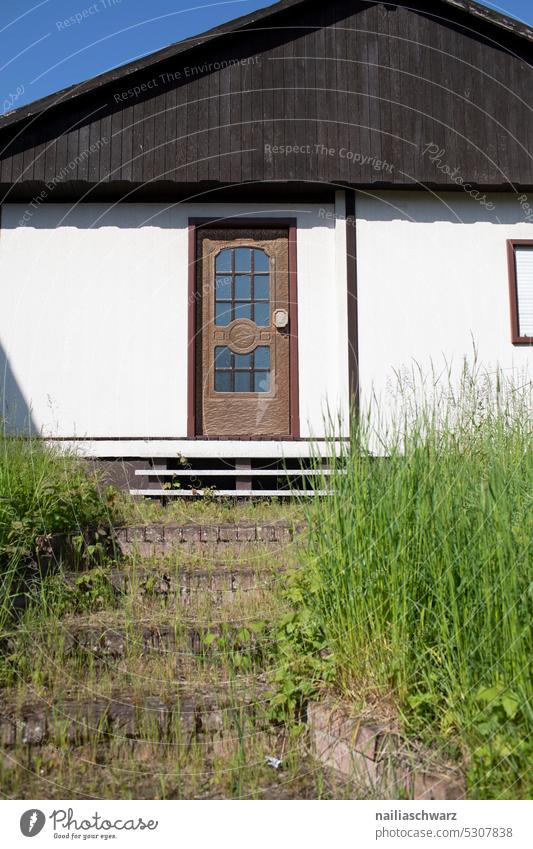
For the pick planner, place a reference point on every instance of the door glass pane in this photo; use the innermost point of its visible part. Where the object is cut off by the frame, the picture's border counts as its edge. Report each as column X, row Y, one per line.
column 242, row 381
column 261, row 381
column 260, row 260
column 223, row 357
column 222, row 314
column 243, row 287
column 223, row 260
column 243, row 310
column 243, row 360
column 243, row 259
column 223, row 381
column 262, row 357
column 261, row 287
column 262, row 314
column 223, row 288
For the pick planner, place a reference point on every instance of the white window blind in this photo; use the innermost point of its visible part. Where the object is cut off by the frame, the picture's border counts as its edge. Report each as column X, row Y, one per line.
column 524, row 289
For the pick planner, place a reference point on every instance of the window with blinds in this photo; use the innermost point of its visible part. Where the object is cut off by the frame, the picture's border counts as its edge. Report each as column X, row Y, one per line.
column 521, row 286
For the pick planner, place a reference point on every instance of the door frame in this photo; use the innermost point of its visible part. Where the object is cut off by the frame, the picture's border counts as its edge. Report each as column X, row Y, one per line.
column 192, row 297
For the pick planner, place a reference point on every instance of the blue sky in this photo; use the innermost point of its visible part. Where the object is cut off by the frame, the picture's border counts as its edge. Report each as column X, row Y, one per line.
column 42, row 52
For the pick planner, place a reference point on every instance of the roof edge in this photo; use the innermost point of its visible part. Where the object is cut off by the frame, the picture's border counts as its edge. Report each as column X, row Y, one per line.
column 511, row 25
column 122, row 71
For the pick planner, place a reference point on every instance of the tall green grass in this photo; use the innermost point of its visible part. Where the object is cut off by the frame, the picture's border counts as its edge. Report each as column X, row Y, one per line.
column 419, row 577
column 41, row 492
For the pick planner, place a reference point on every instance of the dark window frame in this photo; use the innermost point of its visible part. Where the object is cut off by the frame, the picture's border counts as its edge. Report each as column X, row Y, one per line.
column 512, row 244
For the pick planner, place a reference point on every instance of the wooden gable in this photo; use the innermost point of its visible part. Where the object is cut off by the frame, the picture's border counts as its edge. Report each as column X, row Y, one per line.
column 339, row 93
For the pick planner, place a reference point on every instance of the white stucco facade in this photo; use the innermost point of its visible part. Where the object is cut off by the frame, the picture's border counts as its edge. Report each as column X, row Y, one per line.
column 433, row 286
column 93, row 315
column 93, row 306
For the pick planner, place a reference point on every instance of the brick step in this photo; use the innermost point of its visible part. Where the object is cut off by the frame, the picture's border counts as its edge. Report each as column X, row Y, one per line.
column 156, row 539
column 185, row 640
column 160, row 540
column 265, row 532
column 218, row 583
column 210, row 716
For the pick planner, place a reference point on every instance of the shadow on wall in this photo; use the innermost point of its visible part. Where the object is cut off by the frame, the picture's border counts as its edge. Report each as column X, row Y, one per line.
column 15, row 413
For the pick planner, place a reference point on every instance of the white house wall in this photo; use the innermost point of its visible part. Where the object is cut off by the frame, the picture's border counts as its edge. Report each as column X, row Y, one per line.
column 433, row 286
column 93, row 305
column 93, row 315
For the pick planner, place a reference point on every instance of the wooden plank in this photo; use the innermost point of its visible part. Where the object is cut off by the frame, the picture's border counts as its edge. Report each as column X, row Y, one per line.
column 317, row 48
column 213, row 121
column 332, row 171
column 148, row 140
column 105, row 150
column 257, row 117
column 375, row 105
column 357, row 69
column 180, row 165
column 236, row 128
column 232, row 473
column 49, row 162
column 118, row 156
column 171, row 133
column 72, row 146
column 137, row 151
column 192, row 131
column 343, row 104
column 160, row 135
column 82, row 170
column 246, row 122
column 388, row 144
column 288, row 64
column 224, row 117
column 301, row 137
column 225, row 493
column 94, row 149
column 126, row 135
column 277, row 168
column 202, row 139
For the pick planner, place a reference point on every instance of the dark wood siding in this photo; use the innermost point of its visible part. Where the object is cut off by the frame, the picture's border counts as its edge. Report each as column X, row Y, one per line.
column 381, row 81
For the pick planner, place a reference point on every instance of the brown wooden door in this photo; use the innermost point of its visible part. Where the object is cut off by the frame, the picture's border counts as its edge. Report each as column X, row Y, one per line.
column 244, row 326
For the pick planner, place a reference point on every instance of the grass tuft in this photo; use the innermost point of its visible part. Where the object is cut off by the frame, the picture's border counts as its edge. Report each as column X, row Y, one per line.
column 417, row 586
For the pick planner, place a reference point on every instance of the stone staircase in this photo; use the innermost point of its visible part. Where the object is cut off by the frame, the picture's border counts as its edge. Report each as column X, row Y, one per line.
column 152, row 676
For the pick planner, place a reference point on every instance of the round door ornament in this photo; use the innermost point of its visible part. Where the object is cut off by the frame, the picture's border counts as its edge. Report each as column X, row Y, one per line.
column 242, row 336
column 281, row 319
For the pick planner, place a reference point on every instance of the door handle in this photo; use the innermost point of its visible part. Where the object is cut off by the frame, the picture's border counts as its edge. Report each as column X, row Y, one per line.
column 281, row 319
